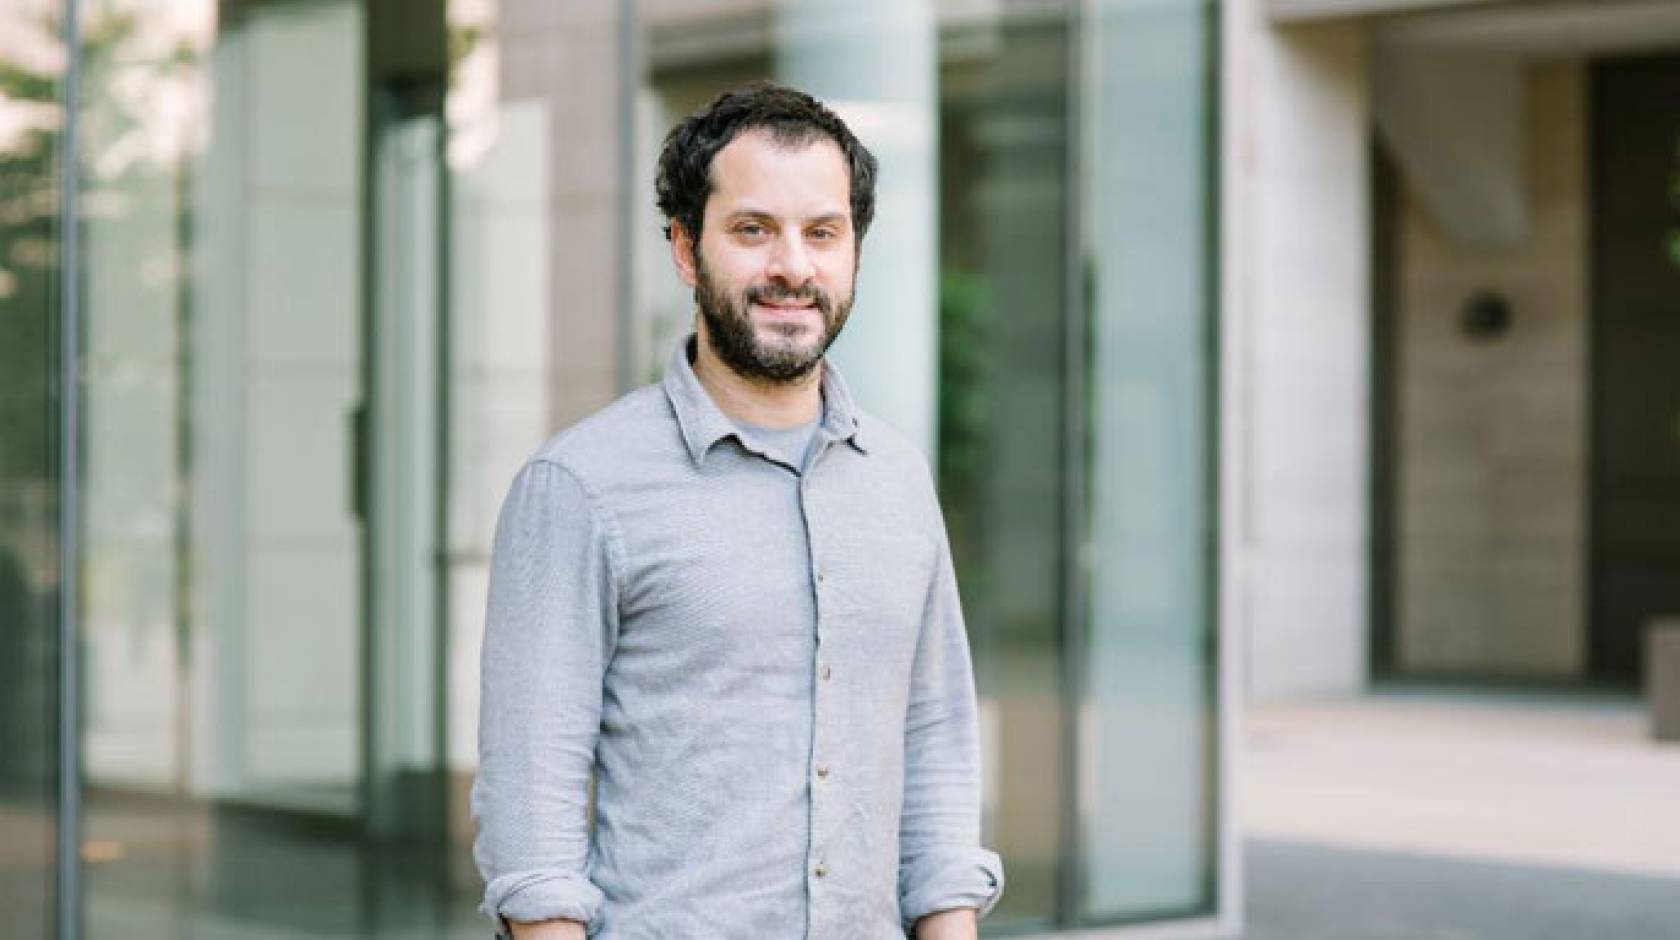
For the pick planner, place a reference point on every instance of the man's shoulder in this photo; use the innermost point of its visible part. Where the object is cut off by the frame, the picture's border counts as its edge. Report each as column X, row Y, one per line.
column 880, row 437
column 635, row 428
column 894, row 451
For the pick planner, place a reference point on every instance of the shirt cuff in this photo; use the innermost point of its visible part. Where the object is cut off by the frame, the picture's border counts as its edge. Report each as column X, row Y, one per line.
column 533, row 896
column 947, row 879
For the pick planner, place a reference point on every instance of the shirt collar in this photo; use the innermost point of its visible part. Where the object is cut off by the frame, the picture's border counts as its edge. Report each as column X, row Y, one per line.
column 703, row 424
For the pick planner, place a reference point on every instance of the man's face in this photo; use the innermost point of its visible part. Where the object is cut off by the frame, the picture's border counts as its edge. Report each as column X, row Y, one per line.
column 774, row 272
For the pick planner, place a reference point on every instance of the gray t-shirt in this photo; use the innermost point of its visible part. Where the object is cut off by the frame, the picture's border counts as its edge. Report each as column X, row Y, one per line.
column 791, row 446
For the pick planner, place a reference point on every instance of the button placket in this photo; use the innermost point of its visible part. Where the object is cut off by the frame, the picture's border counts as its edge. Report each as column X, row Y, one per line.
column 819, row 802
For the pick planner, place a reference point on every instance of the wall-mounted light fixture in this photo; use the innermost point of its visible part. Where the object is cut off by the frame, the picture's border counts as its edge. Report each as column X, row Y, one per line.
column 1485, row 316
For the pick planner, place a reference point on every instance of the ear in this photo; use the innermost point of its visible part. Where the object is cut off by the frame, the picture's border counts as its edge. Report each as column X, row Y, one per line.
column 682, row 254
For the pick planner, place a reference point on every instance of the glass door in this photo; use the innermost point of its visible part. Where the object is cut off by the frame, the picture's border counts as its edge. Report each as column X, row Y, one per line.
column 222, row 186
column 404, row 443
column 261, row 335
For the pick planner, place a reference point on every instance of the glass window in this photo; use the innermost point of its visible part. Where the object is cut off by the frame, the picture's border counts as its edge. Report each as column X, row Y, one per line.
column 1003, row 444
column 348, row 262
column 1148, row 747
column 992, row 81
column 262, row 191
column 32, row 59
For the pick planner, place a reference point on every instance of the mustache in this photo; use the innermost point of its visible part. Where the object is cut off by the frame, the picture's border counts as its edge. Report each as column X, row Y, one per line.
column 766, row 293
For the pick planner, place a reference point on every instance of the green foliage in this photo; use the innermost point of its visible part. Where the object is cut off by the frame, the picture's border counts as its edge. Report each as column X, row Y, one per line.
column 28, row 272
column 964, row 417
column 31, row 231
column 963, row 368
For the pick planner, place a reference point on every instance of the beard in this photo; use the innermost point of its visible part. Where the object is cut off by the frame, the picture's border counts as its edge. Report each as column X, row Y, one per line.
column 791, row 353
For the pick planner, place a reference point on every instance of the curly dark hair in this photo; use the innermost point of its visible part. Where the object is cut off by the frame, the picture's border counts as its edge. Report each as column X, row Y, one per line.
column 792, row 118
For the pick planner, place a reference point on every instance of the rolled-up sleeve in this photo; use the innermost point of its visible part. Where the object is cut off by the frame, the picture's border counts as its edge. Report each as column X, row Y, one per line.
column 550, row 627
column 942, row 865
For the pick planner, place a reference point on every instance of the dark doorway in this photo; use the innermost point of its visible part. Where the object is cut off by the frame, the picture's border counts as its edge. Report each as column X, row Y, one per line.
column 1386, row 195
column 1635, row 488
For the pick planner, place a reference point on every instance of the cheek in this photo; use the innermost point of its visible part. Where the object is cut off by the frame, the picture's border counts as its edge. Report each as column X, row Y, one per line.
column 735, row 270
column 838, row 279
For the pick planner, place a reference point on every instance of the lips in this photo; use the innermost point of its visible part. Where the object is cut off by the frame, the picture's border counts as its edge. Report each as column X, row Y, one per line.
column 786, row 309
column 786, row 302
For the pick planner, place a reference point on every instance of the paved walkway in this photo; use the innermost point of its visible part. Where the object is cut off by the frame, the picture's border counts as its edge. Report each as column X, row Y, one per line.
column 1450, row 816
column 1300, row 891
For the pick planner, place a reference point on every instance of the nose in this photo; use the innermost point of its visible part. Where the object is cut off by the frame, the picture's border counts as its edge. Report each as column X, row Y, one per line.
column 790, row 261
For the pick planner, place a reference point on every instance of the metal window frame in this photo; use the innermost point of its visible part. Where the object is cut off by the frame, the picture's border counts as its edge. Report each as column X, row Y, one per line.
column 69, row 822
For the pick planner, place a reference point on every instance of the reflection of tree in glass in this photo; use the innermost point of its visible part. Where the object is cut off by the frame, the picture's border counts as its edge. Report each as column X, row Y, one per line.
column 138, row 118
column 964, row 409
column 27, row 665
column 30, row 116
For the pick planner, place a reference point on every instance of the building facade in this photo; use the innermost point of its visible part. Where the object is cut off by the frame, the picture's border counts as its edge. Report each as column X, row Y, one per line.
column 292, row 287
column 1264, row 348
column 1452, row 277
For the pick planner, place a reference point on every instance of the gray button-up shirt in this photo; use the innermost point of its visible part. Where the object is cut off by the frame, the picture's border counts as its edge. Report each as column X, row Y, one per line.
column 766, row 671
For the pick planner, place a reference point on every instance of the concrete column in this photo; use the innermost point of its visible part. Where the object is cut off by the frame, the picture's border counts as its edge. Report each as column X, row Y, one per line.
column 1297, row 314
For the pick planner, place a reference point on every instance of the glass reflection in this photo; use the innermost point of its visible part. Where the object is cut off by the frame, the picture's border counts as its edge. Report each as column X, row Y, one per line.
column 1150, row 837
column 32, row 63
column 1003, row 251
column 348, row 261
column 262, row 737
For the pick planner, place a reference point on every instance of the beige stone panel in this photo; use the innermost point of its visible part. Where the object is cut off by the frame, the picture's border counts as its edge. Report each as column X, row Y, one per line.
column 583, row 299
column 565, row 59
column 1492, row 433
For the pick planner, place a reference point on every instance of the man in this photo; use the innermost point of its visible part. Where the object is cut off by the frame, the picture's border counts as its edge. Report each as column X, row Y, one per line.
column 730, row 597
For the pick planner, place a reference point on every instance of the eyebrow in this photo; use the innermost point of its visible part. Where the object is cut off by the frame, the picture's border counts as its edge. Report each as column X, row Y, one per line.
column 827, row 218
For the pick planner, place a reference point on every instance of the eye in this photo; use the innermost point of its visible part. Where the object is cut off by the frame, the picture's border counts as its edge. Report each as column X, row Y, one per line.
column 824, row 233
column 750, row 229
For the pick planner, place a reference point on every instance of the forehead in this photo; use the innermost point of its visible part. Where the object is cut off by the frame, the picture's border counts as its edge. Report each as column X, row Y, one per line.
column 755, row 171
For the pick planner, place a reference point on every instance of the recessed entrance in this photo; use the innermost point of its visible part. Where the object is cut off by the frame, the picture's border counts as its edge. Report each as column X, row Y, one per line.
column 1527, row 314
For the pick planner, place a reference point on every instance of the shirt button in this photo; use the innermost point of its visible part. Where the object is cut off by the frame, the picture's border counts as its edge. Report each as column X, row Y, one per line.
column 821, row 871
column 820, row 576
column 826, row 672
column 822, row 771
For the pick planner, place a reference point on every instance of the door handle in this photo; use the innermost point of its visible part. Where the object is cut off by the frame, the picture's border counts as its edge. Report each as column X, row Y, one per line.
column 358, row 488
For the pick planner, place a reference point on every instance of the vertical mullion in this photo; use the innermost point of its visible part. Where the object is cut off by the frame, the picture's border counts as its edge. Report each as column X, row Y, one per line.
column 1075, row 454
column 69, row 517
column 629, row 81
column 369, row 415
column 1224, row 677
column 443, row 443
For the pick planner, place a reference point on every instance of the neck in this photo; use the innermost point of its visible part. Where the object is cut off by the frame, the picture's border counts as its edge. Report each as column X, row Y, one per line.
column 755, row 402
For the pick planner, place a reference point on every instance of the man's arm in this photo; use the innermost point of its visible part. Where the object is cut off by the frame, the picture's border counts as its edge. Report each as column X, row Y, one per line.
column 550, row 628
column 549, row 930
column 961, row 924
column 942, row 867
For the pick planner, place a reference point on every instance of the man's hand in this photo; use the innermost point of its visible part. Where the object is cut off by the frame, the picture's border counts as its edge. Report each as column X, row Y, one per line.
column 548, row 930
column 960, row 924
